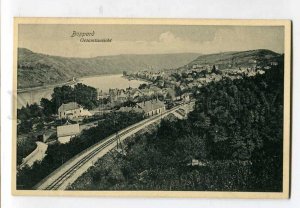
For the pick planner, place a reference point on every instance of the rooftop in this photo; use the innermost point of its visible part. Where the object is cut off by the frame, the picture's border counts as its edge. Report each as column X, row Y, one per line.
column 151, row 105
column 129, row 109
column 68, row 130
column 69, row 106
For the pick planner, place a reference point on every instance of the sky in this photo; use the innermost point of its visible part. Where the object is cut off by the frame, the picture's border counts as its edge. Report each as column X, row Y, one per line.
column 55, row 39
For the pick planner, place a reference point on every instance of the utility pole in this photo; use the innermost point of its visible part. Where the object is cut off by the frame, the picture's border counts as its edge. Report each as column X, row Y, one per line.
column 119, row 144
column 117, row 137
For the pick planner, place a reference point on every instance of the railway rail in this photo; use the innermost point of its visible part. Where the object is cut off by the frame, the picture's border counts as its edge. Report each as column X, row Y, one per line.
column 92, row 151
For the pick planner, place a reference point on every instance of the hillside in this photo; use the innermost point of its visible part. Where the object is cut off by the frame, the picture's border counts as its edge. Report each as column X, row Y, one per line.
column 234, row 136
column 236, row 59
column 35, row 69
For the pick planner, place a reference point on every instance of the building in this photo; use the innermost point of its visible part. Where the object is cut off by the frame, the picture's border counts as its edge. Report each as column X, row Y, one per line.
column 134, row 93
column 44, row 136
column 70, row 110
column 66, row 132
column 152, row 107
column 169, row 94
column 117, row 95
column 186, row 97
column 156, row 90
column 131, row 109
column 274, row 63
column 147, row 92
column 102, row 95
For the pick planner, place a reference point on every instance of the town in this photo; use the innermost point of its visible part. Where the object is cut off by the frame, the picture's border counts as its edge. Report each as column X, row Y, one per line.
column 175, row 106
column 161, row 91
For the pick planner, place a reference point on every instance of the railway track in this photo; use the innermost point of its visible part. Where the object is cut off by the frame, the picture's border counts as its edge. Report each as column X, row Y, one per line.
column 97, row 148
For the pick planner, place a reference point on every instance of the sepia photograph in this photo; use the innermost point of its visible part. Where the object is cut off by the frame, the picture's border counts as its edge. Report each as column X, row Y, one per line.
column 151, row 107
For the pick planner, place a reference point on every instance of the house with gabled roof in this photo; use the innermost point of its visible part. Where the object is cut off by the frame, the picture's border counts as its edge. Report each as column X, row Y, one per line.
column 71, row 110
column 152, row 107
column 66, row 132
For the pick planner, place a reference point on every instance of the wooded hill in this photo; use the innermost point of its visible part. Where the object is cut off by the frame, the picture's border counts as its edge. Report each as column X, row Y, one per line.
column 237, row 59
column 35, row 69
column 235, row 131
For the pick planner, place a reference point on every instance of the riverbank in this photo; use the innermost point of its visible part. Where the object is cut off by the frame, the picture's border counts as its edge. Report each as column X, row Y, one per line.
column 46, row 86
column 23, row 90
column 136, row 78
column 102, row 82
column 98, row 75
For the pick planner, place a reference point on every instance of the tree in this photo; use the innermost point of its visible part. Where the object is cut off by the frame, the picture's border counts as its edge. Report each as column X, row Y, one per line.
column 80, row 93
column 62, row 95
column 85, row 95
column 143, row 86
column 177, row 91
column 214, row 70
column 48, row 107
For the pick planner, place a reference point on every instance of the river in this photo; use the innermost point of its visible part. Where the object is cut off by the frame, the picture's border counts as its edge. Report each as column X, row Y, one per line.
column 103, row 82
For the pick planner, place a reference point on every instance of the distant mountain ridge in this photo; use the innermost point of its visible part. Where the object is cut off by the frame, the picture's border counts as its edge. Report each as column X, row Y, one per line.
column 36, row 69
column 236, row 59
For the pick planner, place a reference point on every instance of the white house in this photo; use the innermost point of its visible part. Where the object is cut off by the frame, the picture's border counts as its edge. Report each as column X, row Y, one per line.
column 186, row 97
column 66, row 132
column 71, row 110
